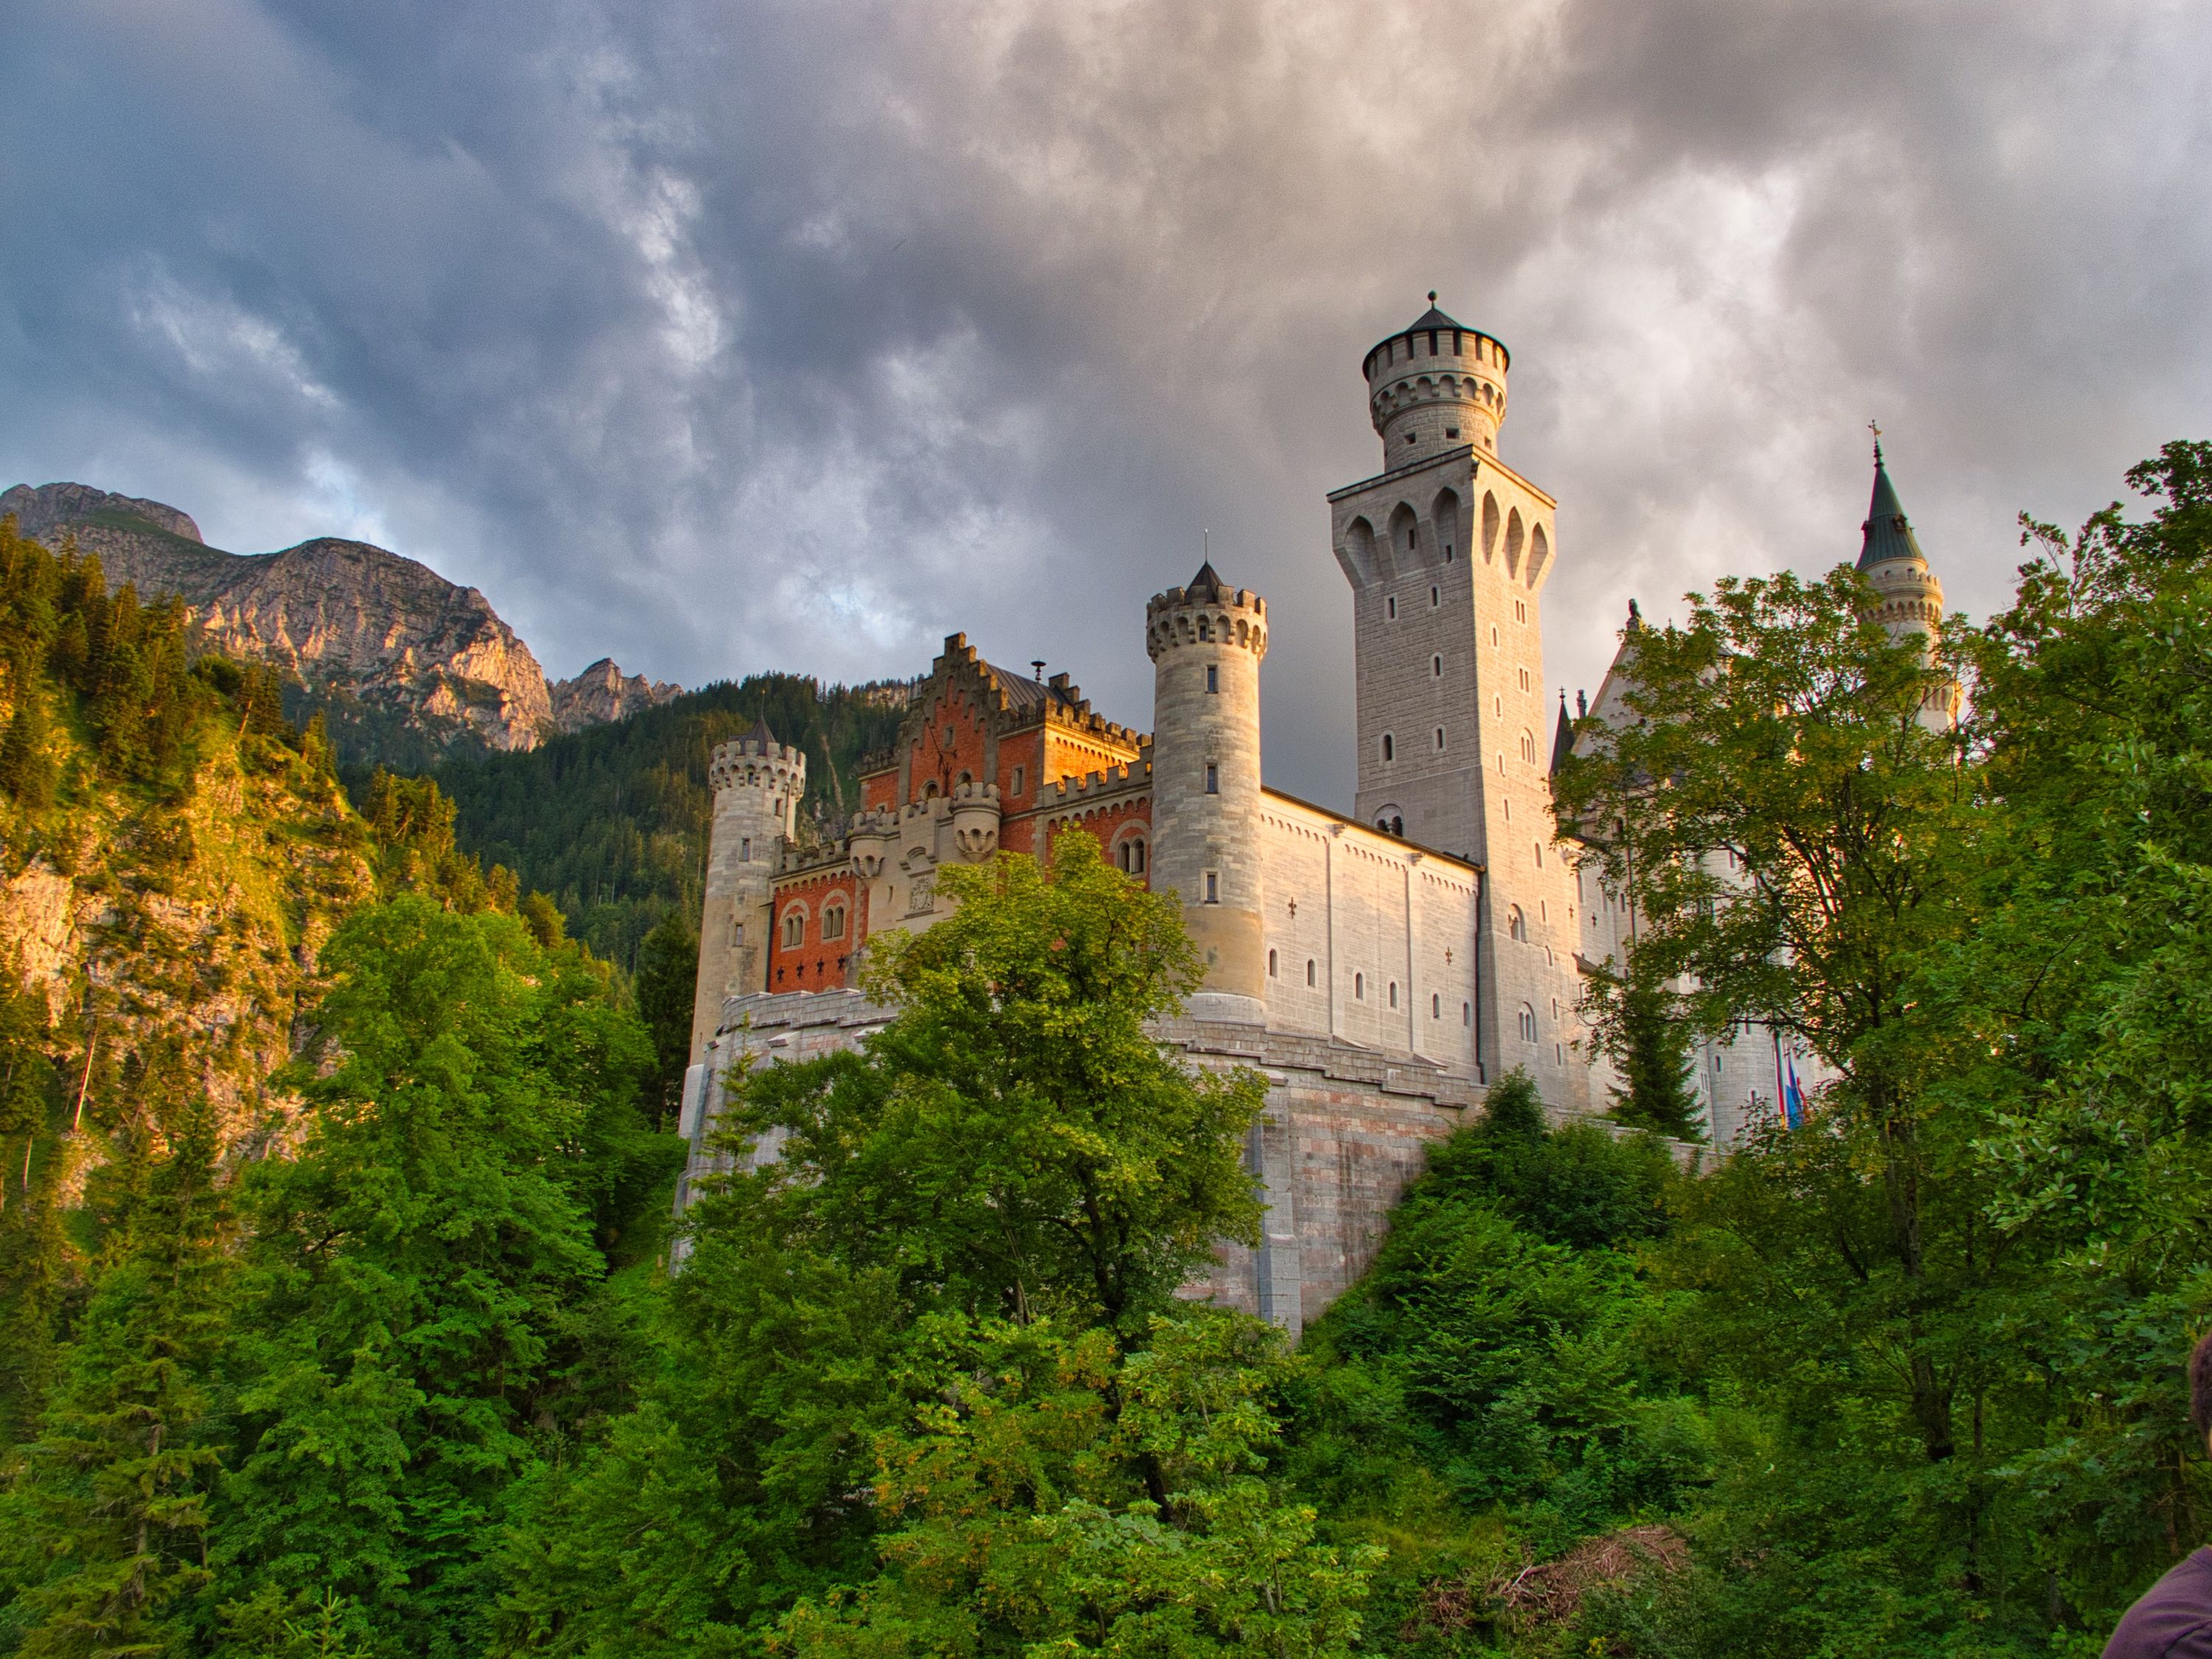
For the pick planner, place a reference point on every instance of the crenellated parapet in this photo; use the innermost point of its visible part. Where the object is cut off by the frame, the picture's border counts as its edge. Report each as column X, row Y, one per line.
column 1206, row 613
column 974, row 814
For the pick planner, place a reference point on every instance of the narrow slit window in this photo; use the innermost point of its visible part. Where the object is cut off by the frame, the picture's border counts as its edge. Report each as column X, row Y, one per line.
column 1311, row 968
column 1214, row 887
column 1271, row 965
column 1436, row 598
column 1390, row 609
column 1213, row 678
column 1213, row 778
column 1390, row 747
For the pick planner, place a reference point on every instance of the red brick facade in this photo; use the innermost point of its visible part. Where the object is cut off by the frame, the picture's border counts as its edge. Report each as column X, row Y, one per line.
column 827, row 916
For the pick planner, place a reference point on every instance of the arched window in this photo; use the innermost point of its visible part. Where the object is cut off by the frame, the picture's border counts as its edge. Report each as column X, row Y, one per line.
column 1528, row 1023
column 1359, row 987
column 1528, row 745
column 1436, row 1006
column 1444, row 513
column 1466, row 1013
column 1310, row 966
column 794, row 929
column 1393, row 994
column 1516, row 925
column 1398, row 826
column 1271, row 965
column 1540, row 855
column 833, row 922
column 1360, row 548
column 1515, row 535
column 1390, row 747
column 1129, row 854
column 1405, row 532
column 1490, row 520
column 1440, row 739
column 1540, row 553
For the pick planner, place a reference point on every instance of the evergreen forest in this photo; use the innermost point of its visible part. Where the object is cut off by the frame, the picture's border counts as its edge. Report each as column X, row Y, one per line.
column 345, row 1314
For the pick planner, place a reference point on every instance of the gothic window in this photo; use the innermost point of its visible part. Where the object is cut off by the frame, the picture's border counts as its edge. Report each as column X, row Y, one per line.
column 1398, row 826
column 1527, row 745
column 1528, row 1023
column 1520, row 610
column 1359, row 987
column 1436, row 1006
column 1271, row 965
column 1524, row 679
column 1490, row 521
column 794, row 929
column 1312, row 967
column 1516, row 925
column 833, row 922
column 1130, row 855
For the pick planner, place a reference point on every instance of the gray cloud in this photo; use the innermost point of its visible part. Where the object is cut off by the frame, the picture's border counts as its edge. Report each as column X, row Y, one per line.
column 727, row 336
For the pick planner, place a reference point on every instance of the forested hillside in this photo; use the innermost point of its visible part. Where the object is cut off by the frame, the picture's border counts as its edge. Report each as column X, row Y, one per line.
column 612, row 821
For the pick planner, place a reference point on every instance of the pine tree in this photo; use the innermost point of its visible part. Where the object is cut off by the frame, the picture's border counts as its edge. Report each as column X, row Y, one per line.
column 667, row 969
column 1653, row 1052
column 27, row 768
column 121, row 1472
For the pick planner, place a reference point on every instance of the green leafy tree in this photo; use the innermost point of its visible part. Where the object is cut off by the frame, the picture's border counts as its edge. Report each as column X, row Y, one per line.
column 1799, row 866
column 1017, row 1497
column 1014, row 1145
column 413, row 1268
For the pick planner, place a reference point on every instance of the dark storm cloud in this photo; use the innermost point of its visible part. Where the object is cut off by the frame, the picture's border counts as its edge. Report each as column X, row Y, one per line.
column 727, row 336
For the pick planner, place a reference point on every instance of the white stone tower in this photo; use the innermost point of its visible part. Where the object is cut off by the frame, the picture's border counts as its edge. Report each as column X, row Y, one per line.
column 1448, row 550
column 1911, row 599
column 1206, row 642
column 758, row 783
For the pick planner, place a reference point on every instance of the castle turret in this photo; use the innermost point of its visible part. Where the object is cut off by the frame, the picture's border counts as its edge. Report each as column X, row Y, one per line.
column 757, row 782
column 1206, row 642
column 1437, row 386
column 1911, row 599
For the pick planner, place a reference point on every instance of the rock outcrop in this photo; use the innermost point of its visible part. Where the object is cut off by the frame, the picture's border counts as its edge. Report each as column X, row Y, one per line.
column 355, row 625
column 601, row 694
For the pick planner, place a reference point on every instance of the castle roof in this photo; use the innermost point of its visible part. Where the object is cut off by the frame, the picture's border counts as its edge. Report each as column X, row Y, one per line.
column 1434, row 320
column 1886, row 534
column 1562, row 738
column 1206, row 578
column 760, row 734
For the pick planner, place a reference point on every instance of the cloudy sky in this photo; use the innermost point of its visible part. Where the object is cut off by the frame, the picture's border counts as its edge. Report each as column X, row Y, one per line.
column 719, row 337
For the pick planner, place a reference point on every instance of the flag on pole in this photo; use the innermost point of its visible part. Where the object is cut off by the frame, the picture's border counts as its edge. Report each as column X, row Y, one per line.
column 1793, row 1094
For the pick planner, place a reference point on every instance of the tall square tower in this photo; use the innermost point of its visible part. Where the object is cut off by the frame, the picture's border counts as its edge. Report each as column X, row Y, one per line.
column 1448, row 551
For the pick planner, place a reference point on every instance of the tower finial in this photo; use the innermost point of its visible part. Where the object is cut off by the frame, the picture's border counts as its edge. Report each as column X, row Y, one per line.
column 1876, row 430
column 1432, row 296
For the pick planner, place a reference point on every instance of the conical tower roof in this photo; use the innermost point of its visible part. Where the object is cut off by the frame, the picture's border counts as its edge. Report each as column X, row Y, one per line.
column 1206, row 580
column 760, row 734
column 1886, row 534
column 1563, row 739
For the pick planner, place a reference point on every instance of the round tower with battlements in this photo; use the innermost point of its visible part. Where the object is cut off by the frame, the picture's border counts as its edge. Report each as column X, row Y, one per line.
column 1206, row 642
column 1437, row 386
column 758, row 783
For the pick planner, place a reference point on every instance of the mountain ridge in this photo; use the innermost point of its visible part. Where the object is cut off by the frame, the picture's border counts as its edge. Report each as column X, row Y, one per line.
column 405, row 665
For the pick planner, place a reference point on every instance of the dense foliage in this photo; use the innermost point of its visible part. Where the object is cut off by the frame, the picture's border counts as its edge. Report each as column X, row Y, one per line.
column 611, row 822
column 1903, row 1380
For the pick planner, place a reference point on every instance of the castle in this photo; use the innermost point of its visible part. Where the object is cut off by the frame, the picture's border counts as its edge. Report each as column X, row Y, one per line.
column 1379, row 968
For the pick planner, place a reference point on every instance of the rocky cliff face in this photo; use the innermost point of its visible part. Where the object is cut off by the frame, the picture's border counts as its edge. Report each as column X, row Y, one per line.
column 371, row 635
column 601, row 694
